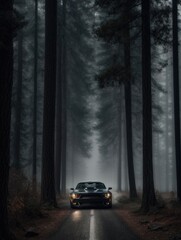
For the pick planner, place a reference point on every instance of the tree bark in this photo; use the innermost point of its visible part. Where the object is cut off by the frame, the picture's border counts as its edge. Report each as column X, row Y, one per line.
column 148, row 198
column 6, row 79
column 120, row 156
column 48, row 182
column 34, row 171
column 167, row 137
column 131, row 173
column 125, row 183
column 176, row 95
column 58, row 121
column 64, row 103
column 128, row 104
column 18, row 108
column 120, row 123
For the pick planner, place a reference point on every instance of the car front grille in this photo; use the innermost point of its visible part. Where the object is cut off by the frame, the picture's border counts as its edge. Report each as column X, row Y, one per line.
column 91, row 196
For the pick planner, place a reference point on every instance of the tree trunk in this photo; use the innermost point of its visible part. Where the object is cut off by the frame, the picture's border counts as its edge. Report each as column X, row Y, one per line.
column 125, row 183
column 72, row 149
column 131, row 173
column 120, row 123
column 176, row 95
column 148, row 198
column 58, row 121
column 34, row 172
column 167, row 138
column 48, row 182
column 128, row 104
column 18, row 108
column 6, row 79
column 119, row 158
column 64, row 103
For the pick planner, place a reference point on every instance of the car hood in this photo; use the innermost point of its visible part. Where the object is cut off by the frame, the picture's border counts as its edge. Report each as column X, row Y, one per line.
column 83, row 191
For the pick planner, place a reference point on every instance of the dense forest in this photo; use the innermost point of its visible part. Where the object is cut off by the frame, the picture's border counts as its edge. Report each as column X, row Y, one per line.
column 75, row 71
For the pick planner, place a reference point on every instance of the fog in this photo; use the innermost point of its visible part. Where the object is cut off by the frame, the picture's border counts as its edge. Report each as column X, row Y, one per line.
column 93, row 169
column 94, row 143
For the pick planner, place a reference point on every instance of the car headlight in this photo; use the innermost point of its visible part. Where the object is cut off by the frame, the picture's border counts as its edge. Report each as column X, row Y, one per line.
column 107, row 195
column 73, row 195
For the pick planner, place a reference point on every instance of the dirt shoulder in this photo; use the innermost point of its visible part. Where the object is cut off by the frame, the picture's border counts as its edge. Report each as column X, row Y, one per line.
column 41, row 227
column 162, row 224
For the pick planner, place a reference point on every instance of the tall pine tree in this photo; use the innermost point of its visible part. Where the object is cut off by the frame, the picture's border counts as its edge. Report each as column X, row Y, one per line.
column 148, row 198
column 6, row 79
column 176, row 95
column 48, row 195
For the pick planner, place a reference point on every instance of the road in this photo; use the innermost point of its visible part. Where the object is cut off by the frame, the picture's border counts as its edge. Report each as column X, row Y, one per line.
column 93, row 224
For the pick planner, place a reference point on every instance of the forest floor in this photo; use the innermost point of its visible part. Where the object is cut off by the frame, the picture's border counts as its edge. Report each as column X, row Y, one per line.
column 161, row 224
column 39, row 227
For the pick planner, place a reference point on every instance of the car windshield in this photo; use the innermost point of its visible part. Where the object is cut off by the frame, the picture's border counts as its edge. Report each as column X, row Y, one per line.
column 97, row 185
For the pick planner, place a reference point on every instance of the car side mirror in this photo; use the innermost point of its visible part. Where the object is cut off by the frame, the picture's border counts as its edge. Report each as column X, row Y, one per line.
column 109, row 188
column 72, row 189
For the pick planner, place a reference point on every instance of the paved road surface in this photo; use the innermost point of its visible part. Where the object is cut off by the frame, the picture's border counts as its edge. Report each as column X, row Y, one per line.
column 94, row 224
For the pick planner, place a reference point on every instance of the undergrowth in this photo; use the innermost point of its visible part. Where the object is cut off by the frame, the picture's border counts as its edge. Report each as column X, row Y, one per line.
column 23, row 200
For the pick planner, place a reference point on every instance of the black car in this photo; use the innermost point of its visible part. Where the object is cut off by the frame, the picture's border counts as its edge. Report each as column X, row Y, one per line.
column 90, row 193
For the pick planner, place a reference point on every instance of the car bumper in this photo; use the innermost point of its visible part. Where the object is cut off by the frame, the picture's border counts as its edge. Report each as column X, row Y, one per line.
column 100, row 201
